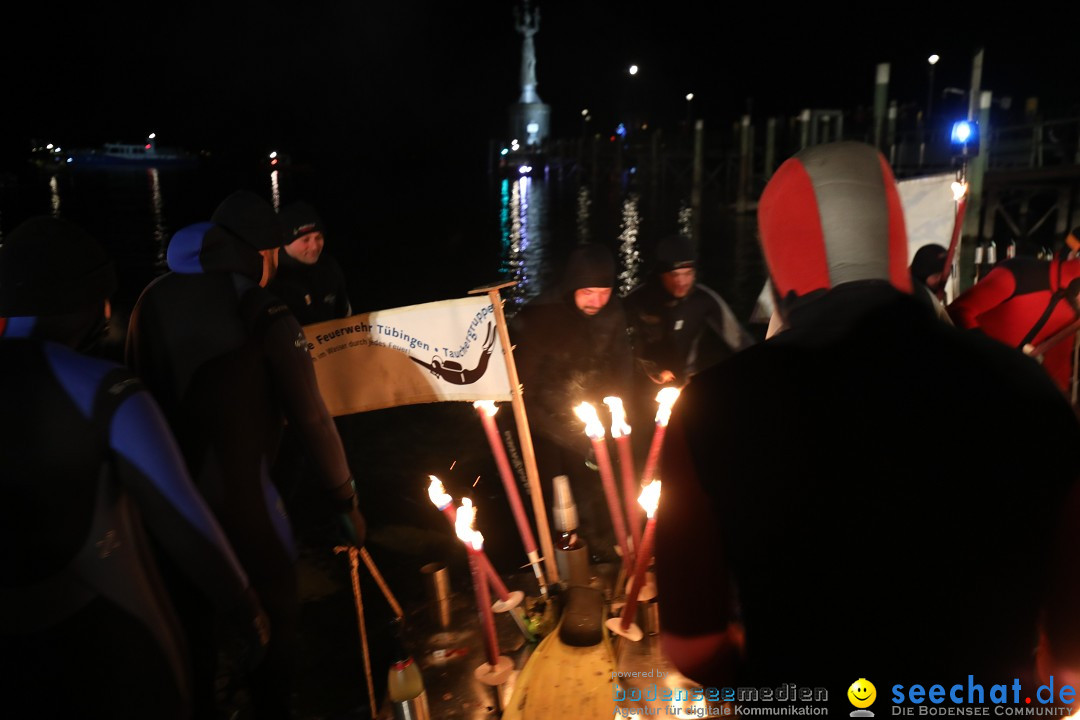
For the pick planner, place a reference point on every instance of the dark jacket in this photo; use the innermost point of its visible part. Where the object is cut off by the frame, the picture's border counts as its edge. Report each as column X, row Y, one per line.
column 667, row 332
column 314, row 293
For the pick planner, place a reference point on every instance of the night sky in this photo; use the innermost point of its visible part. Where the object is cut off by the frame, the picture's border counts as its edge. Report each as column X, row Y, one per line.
column 377, row 82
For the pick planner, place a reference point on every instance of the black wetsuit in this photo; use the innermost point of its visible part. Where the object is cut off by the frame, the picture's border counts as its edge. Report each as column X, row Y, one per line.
column 667, row 331
column 88, row 468
column 565, row 358
column 314, row 293
column 229, row 363
column 862, row 540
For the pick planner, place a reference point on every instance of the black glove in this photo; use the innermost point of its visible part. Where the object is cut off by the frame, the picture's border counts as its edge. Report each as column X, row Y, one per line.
column 350, row 522
column 353, row 527
column 246, row 633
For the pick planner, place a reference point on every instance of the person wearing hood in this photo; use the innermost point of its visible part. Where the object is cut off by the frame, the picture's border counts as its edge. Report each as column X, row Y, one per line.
column 571, row 346
column 91, row 481
column 1025, row 301
column 927, row 283
column 308, row 280
column 803, row 535
column 228, row 363
column 670, row 314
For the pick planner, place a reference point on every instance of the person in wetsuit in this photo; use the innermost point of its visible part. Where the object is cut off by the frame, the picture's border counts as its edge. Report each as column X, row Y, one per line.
column 802, row 535
column 571, row 346
column 670, row 314
column 88, row 472
column 228, row 363
column 307, row 279
column 1024, row 301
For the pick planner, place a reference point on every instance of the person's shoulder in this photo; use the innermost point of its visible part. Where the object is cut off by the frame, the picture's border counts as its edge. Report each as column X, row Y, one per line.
column 84, row 376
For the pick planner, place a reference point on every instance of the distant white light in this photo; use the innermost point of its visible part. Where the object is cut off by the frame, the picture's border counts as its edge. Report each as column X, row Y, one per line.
column 153, row 135
column 504, row 151
column 69, row 159
column 585, row 112
column 514, row 145
column 633, row 69
column 933, row 59
column 273, row 154
column 533, row 127
column 525, row 169
column 56, row 149
column 689, row 97
column 49, row 146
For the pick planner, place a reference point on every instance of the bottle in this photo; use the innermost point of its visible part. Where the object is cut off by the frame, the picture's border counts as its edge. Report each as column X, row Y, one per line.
column 571, row 552
column 405, row 685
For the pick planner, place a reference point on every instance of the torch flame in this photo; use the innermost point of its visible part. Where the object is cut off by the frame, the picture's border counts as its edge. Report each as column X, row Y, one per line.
column 959, row 189
column 666, row 398
column 618, row 417
column 463, row 525
column 437, row 493
column 488, row 406
column 650, row 497
column 593, row 427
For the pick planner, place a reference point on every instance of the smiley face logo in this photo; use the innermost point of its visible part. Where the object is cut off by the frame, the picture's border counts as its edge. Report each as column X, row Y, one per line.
column 862, row 693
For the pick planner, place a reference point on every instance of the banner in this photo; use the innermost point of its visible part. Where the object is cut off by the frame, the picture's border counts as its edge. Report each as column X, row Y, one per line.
column 929, row 210
column 446, row 350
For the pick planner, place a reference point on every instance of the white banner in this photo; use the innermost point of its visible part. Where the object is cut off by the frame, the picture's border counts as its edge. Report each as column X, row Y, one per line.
column 446, row 350
column 929, row 210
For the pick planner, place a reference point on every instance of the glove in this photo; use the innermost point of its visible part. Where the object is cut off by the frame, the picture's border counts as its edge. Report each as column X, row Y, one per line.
column 353, row 527
column 350, row 522
column 247, row 633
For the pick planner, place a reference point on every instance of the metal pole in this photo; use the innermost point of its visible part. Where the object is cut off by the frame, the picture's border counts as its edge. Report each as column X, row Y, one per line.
column 976, row 80
column 881, row 94
column 890, row 133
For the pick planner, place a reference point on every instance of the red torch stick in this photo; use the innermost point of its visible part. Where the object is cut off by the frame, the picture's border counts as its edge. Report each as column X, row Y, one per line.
column 625, row 625
column 621, row 432
column 666, row 399
column 595, row 430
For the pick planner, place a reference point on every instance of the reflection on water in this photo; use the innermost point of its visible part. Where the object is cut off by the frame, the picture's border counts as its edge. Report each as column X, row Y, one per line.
column 157, row 205
column 685, row 220
column 54, row 196
column 629, row 254
column 522, row 224
column 584, row 203
column 275, row 189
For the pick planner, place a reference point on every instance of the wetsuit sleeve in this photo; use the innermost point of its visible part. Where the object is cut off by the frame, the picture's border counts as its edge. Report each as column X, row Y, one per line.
column 691, row 570
column 298, row 390
column 994, row 289
column 723, row 322
column 149, row 464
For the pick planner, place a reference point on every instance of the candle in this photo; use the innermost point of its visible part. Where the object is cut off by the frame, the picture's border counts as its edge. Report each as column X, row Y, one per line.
column 649, row 499
column 621, row 432
column 487, row 409
column 474, row 543
column 666, row 398
column 595, row 430
column 445, row 503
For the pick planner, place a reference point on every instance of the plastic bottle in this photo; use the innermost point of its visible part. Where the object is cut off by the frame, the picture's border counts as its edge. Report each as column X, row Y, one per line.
column 405, row 685
column 571, row 552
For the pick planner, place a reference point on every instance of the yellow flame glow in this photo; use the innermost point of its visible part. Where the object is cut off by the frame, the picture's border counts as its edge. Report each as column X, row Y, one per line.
column 593, row 427
column 488, row 406
column 959, row 189
column 650, row 497
column 666, row 398
column 437, row 493
column 463, row 525
column 618, row 417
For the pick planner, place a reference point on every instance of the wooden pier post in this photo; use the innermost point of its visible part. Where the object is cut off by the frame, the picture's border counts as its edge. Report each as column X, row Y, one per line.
column 881, row 95
column 770, row 147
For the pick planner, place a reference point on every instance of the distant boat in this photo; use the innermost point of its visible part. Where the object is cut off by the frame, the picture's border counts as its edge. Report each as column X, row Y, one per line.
column 147, row 154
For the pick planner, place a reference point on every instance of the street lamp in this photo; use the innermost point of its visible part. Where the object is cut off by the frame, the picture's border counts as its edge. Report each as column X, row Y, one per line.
column 689, row 109
column 633, row 69
column 933, row 60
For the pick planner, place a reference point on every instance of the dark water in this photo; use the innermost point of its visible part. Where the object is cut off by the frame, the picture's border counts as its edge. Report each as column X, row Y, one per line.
column 401, row 240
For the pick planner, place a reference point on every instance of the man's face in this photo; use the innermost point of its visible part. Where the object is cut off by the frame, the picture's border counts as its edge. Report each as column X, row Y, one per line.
column 306, row 248
column 679, row 282
column 591, row 300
